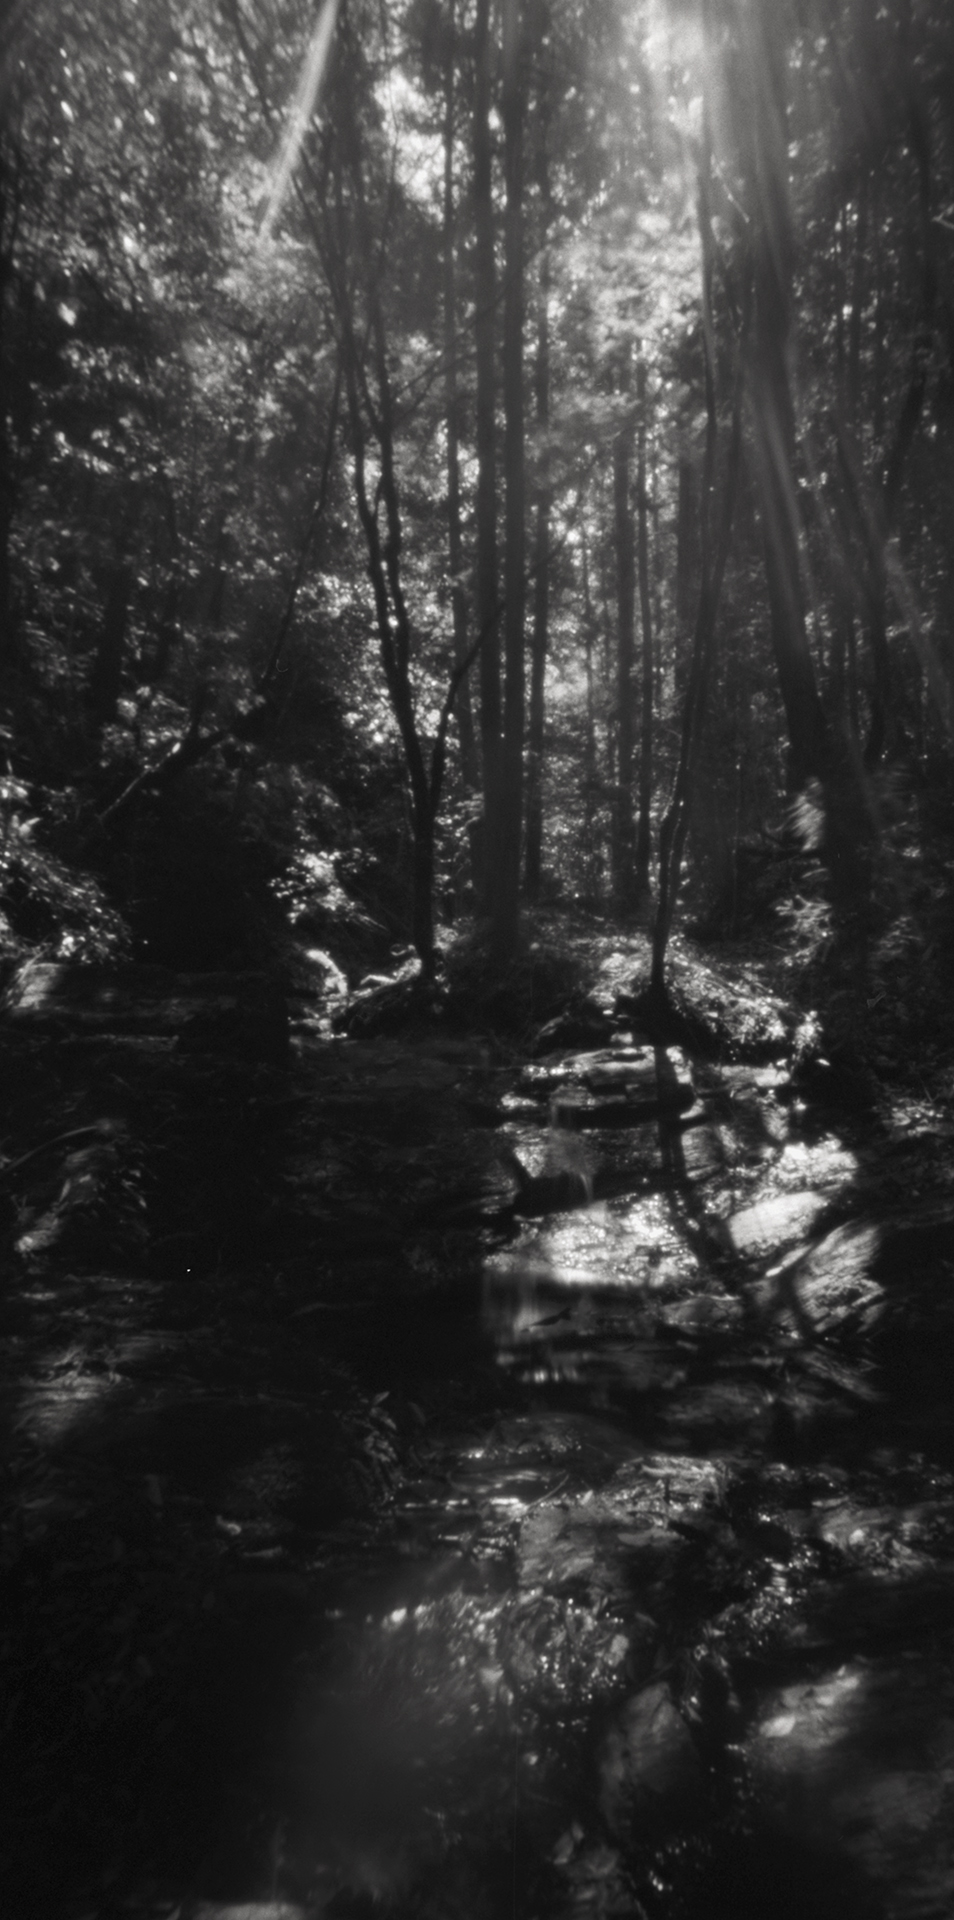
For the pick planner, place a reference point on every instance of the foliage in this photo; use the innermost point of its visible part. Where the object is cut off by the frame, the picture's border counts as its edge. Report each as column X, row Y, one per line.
column 182, row 553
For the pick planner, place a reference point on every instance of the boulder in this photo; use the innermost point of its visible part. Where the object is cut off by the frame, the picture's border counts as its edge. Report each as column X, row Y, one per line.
column 651, row 1777
column 830, row 1287
column 773, row 1225
column 238, row 1013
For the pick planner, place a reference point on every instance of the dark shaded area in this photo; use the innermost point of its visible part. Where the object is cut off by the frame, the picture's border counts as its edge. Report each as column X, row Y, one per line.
column 387, row 1529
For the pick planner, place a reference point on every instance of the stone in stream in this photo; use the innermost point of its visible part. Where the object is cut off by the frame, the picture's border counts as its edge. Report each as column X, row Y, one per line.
column 773, row 1225
column 612, row 1087
column 633, row 1536
column 830, row 1286
column 650, row 1773
column 857, row 1766
column 704, row 1315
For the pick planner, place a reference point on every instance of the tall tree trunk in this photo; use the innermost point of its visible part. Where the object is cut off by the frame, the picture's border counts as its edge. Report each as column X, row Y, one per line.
column 107, row 676
column 646, row 616
column 714, row 538
column 774, row 413
column 812, row 753
column 470, row 768
column 541, row 564
column 507, row 906
column 6, row 451
column 624, row 837
column 687, row 515
column 485, row 582
column 591, row 762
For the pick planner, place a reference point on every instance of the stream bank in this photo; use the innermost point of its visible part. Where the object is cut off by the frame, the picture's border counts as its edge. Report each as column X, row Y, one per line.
column 442, row 1481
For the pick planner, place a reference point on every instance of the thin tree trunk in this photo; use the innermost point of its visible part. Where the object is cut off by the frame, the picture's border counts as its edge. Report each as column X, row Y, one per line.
column 470, row 768
column 507, row 906
column 107, row 676
column 590, row 762
column 485, row 583
column 624, row 837
column 858, row 297
column 541, row 592
column 7, row 490
column 645, row 609
column 714, row 553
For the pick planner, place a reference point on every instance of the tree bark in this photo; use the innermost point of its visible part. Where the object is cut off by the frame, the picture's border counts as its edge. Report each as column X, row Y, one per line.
column 813, row 754
column 641, row 878
column 624, row 838
column 107, row 676
column 485, row 582
column 542, row 504
column 506, row 920
column 470, row 769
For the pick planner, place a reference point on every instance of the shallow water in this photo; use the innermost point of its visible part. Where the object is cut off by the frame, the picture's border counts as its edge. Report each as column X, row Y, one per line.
column 568, row 1539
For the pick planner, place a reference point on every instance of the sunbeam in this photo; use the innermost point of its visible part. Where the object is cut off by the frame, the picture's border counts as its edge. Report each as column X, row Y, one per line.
column 299, row 116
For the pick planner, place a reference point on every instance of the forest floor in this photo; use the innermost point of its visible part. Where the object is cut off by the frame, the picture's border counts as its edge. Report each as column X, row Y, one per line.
column 454, row 1476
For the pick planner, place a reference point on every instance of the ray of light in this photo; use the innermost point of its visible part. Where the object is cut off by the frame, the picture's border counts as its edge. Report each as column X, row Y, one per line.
column 299, row 117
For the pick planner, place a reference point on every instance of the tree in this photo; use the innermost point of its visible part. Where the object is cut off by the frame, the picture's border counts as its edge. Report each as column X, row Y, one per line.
column 641, row 874
column 542, row 490
column 505, row 927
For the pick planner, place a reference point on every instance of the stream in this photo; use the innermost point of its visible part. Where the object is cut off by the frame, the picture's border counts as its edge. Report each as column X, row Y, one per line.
column 551, row 1514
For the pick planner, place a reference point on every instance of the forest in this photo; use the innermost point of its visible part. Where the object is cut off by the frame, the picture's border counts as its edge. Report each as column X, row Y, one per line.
column 476, row 944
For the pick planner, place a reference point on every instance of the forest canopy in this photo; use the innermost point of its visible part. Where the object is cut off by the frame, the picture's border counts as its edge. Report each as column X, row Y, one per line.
column 459, row 456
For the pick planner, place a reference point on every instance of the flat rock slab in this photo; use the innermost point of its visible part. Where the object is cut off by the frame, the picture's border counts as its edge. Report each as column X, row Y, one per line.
column 773, row 1225
column 636, row 1082
column 704, row 1316
column 243, row 1013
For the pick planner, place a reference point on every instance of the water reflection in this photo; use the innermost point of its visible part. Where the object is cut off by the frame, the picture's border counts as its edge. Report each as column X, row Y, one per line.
column 582, row 1319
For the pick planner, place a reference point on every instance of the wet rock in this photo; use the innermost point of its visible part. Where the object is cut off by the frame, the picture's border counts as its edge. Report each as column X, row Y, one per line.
column 704, row 1315
column 694, row 1156
column 561, row 1653
column 829, row 1287
column 651, row 1519
column 657, row 1075
column 388, row 1004
column 650, row 1773
column 723, row 1413
column 93, row 1204
column 320, row 977
column 859, row 1765
column 243, row 1013
column 578, row 1109
column 559, row 1443
column 573, row 1546
column 741, row 1080
column 584, row 1024
column 772, row 1225
column 664, row 1486
column 597, row 1880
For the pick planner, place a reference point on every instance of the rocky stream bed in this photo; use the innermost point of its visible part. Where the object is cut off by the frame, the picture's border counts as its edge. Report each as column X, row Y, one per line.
column 448, row 1481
